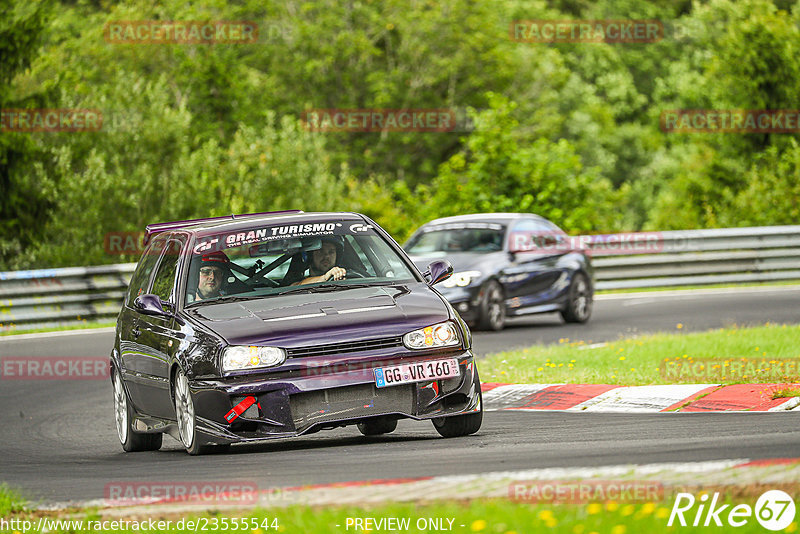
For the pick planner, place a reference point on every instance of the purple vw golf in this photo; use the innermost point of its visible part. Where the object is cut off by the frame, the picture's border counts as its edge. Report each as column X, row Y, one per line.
column 253, row 327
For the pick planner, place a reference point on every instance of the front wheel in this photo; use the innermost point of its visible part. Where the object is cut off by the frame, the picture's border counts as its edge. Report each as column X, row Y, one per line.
column 130, row 440
column 579, row 300
column 376, row 427
column 492, row 310
column 461, row 425
column 458, row 425
column 184, row 412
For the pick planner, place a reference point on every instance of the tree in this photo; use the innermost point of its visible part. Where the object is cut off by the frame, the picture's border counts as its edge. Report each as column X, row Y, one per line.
column 22, row 202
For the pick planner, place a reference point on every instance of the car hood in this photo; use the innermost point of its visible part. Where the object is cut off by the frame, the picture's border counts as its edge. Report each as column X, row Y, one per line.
column 307, row 319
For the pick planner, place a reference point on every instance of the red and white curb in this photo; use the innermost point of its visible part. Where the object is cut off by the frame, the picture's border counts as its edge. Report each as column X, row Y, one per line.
column 638, row 399
column 500, row 484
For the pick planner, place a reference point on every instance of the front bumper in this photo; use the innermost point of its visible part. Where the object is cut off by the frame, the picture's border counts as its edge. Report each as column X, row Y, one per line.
column 328, row 397
column 465, row 300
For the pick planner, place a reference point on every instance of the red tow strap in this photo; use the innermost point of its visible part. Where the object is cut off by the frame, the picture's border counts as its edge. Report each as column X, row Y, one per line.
column 239, row 409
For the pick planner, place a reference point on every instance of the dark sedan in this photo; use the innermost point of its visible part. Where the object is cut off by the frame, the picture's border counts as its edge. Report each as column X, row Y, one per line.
column 507, row 264
column 262, row 326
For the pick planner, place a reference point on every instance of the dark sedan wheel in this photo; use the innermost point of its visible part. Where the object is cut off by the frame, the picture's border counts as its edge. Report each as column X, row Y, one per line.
column 378, row 426
column 579, row 300
column 131, row 440
column 492, row 311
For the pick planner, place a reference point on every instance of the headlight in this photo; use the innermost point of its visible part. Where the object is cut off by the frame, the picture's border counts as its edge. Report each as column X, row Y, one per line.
column 241, row 357
column 438, row 335
column 462, row 279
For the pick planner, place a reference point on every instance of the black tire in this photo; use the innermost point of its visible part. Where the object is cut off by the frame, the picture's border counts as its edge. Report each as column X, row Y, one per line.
column 579, row 300
column 492, row 308
column 461, row 425
column 184, row 415
column 130, row 440
column 377, row 426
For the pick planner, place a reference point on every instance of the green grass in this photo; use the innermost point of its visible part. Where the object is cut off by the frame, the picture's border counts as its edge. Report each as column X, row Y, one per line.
column 705, row 286
column 786, row 393
column 642, row 360
column 10, row 501
column 81, row 326
column 487, row 516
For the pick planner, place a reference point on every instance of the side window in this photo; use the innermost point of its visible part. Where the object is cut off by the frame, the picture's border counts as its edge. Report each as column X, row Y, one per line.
column 141, row 276
column 532, row 234
column 164, row 280
column 532, row 225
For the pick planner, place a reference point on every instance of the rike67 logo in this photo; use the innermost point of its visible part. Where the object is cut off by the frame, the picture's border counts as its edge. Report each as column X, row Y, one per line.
column 774, row 510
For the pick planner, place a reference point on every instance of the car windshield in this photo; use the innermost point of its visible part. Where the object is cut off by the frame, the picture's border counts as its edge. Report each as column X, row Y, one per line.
column 474, row 237
column 271, row 260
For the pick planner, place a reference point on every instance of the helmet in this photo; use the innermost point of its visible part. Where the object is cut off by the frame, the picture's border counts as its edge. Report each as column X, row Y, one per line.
column 217, row 257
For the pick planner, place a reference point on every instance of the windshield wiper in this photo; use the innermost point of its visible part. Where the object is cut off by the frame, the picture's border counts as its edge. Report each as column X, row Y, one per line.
column 220, row 300
column 324, row 288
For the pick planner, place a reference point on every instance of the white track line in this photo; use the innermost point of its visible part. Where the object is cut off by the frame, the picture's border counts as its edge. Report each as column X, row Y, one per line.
column 59, row 333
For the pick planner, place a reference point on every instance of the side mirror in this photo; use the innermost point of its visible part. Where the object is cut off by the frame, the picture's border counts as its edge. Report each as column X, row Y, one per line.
column 438, row 271
column 150, row 304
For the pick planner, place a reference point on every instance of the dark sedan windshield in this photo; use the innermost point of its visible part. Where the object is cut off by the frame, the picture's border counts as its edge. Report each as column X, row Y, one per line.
column 257, row 262
column 469, row 238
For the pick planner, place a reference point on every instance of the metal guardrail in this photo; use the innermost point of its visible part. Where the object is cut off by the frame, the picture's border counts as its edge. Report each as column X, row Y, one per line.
column 701, row 257
column 54, row 297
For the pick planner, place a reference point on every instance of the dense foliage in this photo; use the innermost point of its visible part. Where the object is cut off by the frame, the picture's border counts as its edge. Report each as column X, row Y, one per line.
column 567, row 130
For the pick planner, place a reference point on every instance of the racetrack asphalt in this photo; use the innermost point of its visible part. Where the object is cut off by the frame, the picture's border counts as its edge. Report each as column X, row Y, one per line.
column 59, row 443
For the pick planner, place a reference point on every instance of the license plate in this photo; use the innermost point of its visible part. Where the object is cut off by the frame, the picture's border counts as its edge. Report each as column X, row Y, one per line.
column 416, row 372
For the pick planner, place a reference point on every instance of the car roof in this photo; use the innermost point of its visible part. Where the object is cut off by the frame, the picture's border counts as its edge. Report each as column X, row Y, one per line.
column 233, row 223
column 487, row 217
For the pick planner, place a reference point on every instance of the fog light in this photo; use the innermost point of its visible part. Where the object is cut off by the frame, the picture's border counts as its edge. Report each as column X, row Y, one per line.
column 463, row 307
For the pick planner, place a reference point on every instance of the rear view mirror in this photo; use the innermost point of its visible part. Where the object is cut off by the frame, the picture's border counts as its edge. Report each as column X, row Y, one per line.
column 438, row 271
column 290, row 245
column 150, row 304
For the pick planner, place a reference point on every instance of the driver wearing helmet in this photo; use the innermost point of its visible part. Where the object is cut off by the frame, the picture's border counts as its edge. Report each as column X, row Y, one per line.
column 323, row 264
column 213, row 271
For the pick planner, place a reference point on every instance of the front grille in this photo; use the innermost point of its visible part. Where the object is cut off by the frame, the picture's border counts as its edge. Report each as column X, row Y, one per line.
column 343, row 348
column 349, row 402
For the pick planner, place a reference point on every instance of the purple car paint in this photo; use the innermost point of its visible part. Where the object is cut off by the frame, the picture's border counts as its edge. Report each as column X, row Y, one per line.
column 224, row 309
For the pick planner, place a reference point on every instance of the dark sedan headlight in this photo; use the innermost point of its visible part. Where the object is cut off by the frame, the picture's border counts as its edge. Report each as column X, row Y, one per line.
column 238, row 357
column 432, row 337
column 462, row 279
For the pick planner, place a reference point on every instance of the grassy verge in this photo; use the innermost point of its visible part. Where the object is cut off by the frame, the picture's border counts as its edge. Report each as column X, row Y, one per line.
column 490, row 516
column 646, row 359
column 786, row 393
column 10, row 501
column 81, row 326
